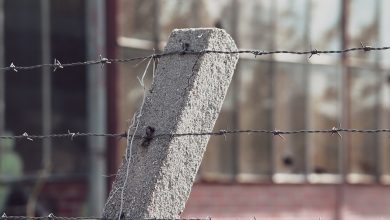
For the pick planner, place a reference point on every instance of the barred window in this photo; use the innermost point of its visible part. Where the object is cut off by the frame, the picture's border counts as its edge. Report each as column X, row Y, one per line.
column 283, row 92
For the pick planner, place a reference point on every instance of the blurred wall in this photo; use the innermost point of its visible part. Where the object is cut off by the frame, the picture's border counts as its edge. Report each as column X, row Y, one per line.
column 284, row 92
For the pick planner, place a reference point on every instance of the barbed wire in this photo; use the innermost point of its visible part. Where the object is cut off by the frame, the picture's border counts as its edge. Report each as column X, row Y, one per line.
column 70, row 135
column 53, row 217
column 102, row 61
column 56, row 65
column 149, row 137
column 46, row 217
column 49, row 217
column 333, row 130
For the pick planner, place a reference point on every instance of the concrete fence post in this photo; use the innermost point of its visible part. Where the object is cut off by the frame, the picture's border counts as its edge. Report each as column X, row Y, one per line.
column 186, row 96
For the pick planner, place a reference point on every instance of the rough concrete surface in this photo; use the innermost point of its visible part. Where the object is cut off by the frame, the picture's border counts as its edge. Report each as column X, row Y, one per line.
column 186, row 96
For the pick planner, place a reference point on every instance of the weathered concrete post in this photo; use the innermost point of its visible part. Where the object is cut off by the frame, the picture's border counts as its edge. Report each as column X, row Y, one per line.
column 186, row 96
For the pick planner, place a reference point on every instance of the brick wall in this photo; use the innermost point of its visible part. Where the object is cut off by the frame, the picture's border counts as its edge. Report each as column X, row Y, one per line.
column 271, row 202
column 65, row 198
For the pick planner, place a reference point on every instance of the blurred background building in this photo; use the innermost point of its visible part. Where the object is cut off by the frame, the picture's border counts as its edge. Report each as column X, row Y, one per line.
column 294, row 177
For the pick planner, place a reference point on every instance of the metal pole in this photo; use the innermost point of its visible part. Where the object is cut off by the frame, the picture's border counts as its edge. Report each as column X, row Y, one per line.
column 96, row 96
column 156, row 25
column 46, row 83
column 112, row 77
column 345, row 116
column 307, row 70
column 46, row 108
column 236, row 98
column 2, row 76
column 271, row 75
column 377, row 149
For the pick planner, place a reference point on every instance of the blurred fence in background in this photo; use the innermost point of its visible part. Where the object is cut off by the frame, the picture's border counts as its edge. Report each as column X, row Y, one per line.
column 278, row 92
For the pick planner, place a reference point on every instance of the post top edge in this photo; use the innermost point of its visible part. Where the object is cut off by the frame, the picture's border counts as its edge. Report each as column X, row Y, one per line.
column 205, row 29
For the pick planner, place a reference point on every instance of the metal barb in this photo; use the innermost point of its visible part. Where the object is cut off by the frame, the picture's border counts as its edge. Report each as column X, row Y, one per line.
column 13, row 67
column 258, row 53
column 148, row 136
column 57, row 65
column 336, row 131
column 27, row 137
column 365, row 48
column 156, row 56
column 278, row 133
column 72, row 135
column 313, row 52
column 103, row 60
column 51, row 216
column 223, row 132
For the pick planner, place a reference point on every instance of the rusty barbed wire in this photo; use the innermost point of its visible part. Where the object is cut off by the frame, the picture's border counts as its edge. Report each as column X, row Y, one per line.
column 148, row 137
column 103, row 61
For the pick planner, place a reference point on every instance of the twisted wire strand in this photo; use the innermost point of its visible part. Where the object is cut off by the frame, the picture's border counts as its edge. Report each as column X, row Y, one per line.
column 213, row 133
column 102, row 61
